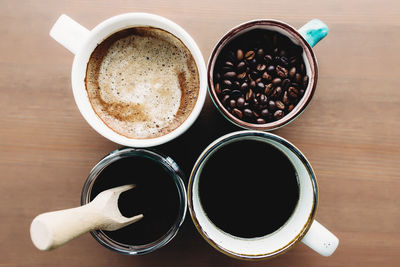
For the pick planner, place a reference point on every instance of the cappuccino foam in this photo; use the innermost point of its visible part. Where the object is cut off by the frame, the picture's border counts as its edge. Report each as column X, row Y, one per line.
column 142, row 82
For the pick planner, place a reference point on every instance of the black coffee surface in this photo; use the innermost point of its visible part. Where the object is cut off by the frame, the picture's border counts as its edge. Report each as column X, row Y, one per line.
column 155, row 196
column 248, row 189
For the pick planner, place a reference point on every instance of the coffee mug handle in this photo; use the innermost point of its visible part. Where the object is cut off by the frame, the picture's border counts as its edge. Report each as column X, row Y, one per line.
column 69, row 33
column 314, row 31
column 321, row 239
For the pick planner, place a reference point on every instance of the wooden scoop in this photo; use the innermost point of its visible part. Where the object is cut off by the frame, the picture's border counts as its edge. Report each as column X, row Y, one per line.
column 53, row 229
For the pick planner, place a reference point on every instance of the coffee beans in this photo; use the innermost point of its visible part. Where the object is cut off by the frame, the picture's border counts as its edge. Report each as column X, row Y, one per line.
column 260, row 76
column 249, row 55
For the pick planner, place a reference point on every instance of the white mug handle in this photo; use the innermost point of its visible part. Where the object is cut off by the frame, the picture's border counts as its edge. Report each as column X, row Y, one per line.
column 69, row 33
column 320, row 239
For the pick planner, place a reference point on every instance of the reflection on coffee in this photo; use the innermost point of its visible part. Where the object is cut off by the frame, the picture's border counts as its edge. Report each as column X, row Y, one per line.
column 248, row 188
column 142, row 82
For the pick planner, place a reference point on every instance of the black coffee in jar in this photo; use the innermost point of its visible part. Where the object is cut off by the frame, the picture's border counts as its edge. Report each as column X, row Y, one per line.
column 248, row 188
column 155, row 196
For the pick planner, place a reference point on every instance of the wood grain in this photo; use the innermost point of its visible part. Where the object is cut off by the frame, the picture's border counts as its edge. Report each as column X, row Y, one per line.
column 350, row 132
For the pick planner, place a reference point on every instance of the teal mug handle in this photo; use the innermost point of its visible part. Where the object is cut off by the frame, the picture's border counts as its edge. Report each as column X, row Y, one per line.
column 314, row 31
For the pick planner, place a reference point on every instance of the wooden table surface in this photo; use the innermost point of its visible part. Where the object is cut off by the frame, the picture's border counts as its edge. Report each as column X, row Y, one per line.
column 350, row 131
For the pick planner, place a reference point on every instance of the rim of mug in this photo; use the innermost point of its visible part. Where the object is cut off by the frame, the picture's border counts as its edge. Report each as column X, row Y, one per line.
column 219, row 142
column 309, row 92
column 79, row 87
column 175, row 173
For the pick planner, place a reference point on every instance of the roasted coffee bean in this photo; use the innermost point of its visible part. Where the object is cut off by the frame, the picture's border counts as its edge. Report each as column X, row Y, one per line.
column 279, row 114
column 232, row 103
column 268, row 59
column 292, row 72
column 227, row 83
column 236, row 85
column 266, row 76
column 260, row 86
column 241, row 76
column 226, row 91
column 248, row 77
column 255, row 114
column 276, row 50
column 293, row 92
column 248, row 113
column 279, row 91
column 237, row 113
column 276, row 93
column 284, row 61
column 281, row 71
column 302, row 68
column 258, row 80
column 285, row 98
column 290, row 108
column 225, row 99
column 217, row 88
column 249, row 55
column 239, row 54
column 298, row 77
column 241, row 66
column 305, row 81
column 271, row 105
column 240, row 102
column 268, row 89
column 279, row 105
column 249, row 95
column 285, row 84
column 246, row 105
column 265, row 113
column 261, row 67
column 276, row 81
column 301, row 92
column 293, row 60
column 271, row 69
column 252, row 84
column 229, row 64
column 218, row 76
column 230, row 75
column 255, row 101
column 277, row 60
column 261, row 121
column 226, row 68
column 236, row 93
column 260, row 53
column 244, row 86
column 263, row 99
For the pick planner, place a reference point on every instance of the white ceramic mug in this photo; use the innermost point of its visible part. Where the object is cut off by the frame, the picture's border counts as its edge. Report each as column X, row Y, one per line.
column 81, row 42
column 301, row 225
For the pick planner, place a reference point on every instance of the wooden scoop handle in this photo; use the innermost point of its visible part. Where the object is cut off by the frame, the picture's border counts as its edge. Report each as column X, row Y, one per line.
column 53, row 229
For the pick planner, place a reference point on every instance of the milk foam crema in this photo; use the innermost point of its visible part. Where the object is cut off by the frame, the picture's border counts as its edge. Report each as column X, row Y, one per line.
column 142, row 82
